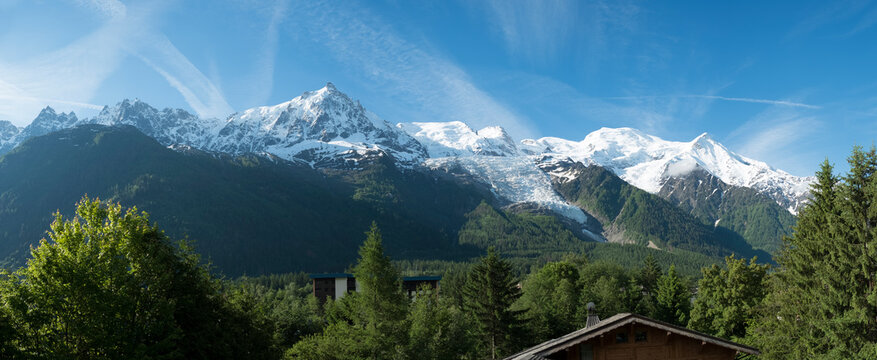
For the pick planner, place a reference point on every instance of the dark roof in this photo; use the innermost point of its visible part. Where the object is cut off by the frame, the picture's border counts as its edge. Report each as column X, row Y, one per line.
column 542, row 350
column 422, row 278
column 330, row 276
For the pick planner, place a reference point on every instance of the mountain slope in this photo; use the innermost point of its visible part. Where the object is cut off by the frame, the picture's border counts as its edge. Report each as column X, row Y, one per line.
column 632, row 215
column 246, row 213
column 754, row 216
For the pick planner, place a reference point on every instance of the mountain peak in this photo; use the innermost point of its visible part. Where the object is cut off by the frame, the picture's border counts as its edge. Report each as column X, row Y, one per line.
column 47, row 111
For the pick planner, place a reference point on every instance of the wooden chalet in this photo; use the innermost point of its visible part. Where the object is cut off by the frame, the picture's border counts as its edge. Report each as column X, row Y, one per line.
column 632, row 336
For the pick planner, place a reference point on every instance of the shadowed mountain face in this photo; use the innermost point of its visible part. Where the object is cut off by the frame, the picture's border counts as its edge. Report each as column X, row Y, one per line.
column 247, row 214
column 743, row 210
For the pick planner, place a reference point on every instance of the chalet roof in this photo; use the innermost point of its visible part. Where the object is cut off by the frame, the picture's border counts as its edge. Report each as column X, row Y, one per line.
column 541, row 351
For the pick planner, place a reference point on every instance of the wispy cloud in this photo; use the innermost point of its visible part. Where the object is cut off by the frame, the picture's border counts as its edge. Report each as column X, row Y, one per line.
column 862, row 13
column 259, row 84
column 558, row 102
column 779, row 136
column 723, row 98
column 430, row 86
column 198, row 91
column 69, row 77
column 540, row 30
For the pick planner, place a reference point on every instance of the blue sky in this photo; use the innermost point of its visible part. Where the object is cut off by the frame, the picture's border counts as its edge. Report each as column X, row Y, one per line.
column 787, row 82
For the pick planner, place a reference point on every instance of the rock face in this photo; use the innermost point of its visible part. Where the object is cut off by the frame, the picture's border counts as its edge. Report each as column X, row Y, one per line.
column 325, row 128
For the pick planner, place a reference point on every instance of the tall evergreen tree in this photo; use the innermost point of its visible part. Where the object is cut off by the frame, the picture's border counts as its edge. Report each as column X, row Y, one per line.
column 649, row 275
column 727, row 298
column 673, row 298
column 489, row 294
column 381, row 305
column 823, row 301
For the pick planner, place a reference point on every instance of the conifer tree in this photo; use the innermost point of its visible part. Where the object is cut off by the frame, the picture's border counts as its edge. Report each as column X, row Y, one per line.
column 823, row 302
column 649, row 275
column 489, row 294
column 381, row 305
column 672, row 299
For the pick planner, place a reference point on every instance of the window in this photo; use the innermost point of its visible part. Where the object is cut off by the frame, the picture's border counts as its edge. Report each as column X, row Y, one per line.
column 621, row 338
column 641, row 336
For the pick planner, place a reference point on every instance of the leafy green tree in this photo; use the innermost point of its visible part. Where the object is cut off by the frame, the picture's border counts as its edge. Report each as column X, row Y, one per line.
column 8, row 338
column 673, row 298
column 552, row 295
column 727, row 298
column 109, row 285
column 438, row 329
column 489, row 294
column 603, row 284
column 823, row 300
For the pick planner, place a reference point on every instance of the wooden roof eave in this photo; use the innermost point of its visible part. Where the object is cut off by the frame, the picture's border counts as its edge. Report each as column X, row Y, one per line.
column 615, row 322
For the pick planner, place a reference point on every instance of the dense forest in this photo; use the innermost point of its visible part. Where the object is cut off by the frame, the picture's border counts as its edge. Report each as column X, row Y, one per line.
column 107, row 283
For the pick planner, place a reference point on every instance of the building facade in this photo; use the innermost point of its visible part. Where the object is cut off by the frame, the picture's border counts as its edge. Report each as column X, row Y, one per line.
column 336, row 285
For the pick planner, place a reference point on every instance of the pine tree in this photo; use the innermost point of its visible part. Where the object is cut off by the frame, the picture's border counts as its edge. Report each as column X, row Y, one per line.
column 649, row 275
column 673, row 298
column 823, row 301
column 381, row 305
column 489, row 294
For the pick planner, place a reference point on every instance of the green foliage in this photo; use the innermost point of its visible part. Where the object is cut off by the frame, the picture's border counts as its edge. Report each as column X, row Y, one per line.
column 823, row 301
column 439, row 329
column 489, row 294
column 110, row 285
column 380, row 304
column 727, row 298
column 552, row 296
column 672, row 298
column 649, row 275
column 365, row 324
column 522, row 233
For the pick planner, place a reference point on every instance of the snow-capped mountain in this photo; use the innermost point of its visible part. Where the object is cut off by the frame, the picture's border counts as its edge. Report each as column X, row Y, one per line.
column 318, row 124
column 647, row 161
column 444, row 139
column 324, row 126
column 7, row 134
column 168, row 126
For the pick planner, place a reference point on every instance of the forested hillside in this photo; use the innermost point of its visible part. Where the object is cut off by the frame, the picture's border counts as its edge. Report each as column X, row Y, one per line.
column 253, row 214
